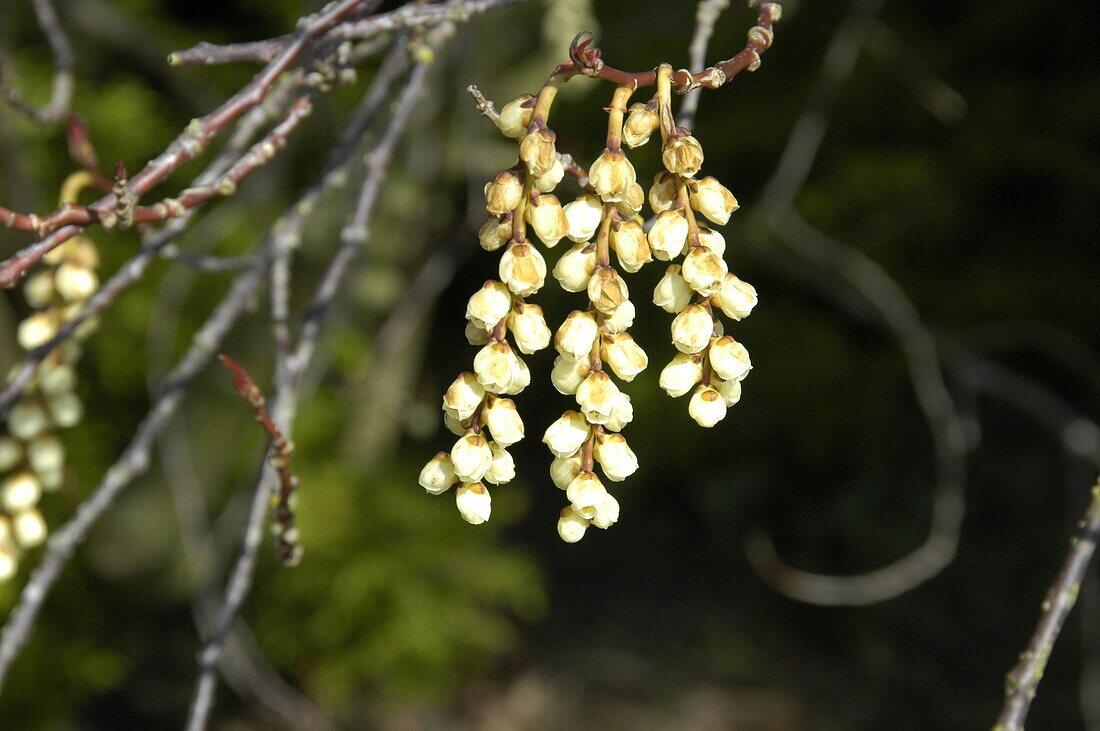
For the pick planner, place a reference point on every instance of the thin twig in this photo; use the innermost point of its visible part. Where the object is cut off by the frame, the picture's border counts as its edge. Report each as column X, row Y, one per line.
column 61, row 87
column 706, row 17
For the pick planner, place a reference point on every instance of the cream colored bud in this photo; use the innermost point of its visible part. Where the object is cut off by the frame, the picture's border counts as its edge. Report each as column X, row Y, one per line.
column 39, row 290
column 547, row 218
column 584, row 216
column 607, row 513
column 596, row 396
column 672, row 293
column 692, row 329
column 706, row 406
column 75, row 283
column 464, row 395
column 586, row 493
column 729, row 359
column 523, row 269
column 489, row 305
column 79, row 250
column 495, row 232
column 564, row 469
column 575, row 267
column 11, row 453
column 438, row 475
column 476, row 334
column 473, row 502
column 569, row 373
column 628, row 239
column 503, row 421
column 681, row 374
column 713, row 240
column 621, row 319
column 682, row 154
column 504, row 467
column 537, row 151
column 529, row 328
column 735, row 298
column 52, row 481
column 496, row 366
column 730, row 391
column 515, row 116
column 616, row 458
column 65, row 409
column 611, row 175
column 566, row 435
column 712, row 199
column 668, row 235
column 20, row 491
column 624, row 355
column 549, row 180
column 27, row 419
column 29, row 528
column 454, row 425
column 641, row 122
column 704, row 270
column 503, row 193
column 37, row 329
column 577, row 334
column 622, row 413
column 56, row 378
column 632, row 202
column 571, row 526
column 471, row 457
column 607, row 290
column 9, row 563
column 663, row 194
column 45, row 453
column 521, row 378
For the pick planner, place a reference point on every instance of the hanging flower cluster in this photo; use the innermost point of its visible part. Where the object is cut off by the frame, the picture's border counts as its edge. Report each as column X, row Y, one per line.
column 32, row 457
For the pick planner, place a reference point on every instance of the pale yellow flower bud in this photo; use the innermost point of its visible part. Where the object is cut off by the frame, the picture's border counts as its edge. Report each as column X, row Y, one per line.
column 712, row 199
column 521, row 378
column 681, row 374
column 632, row 202
column 547, row 218
column 45, row 453
column 29, row 528
column 571, row 526
column 39, row 290
column 607, row 513
column 515, row 116
column 464, row 395
column 577, row 334
column 575, row 267
column 438, row 475
column 494, row 233
column 9, row 563
column 65, row 409
column 566, row 435
column 37, row 329
column 704, row 270
column 586, row 493
column 596, row 396
column 682, row 154
column 496, row 366
column 503, row 469
column 20, row 491
column 622, row 413
column 473, row 502
column 27, row 419
column 607, row 290
column 11, row 453
column 584, row 216
column 523, row 269
column 729, row 359
column 628, row 239
column 51, row 481
column 730, row 391
column 476, row 334
column 615, row 456
column 736, row 298
column 503, row 421
column 489, row 305
column 503, row 193
column 663, row 194
column 454, row 425
column 529, row 328
column 56, row 378
column 564, row 469
column 549, row 180
column 569, row 373
column 706, row 406
column 612, row 175
column 621, row 319
column 641, row 122
column 672, row 293
column 75, row 283
column 668, row 235
column 79, row 250
column 537, row 151
column 692, row 328
column 624, row 355
column 713, row 240
column 471, row 457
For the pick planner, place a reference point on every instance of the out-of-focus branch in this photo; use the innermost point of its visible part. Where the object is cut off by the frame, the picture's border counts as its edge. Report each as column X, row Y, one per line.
column 706, row 17
column 61, row 87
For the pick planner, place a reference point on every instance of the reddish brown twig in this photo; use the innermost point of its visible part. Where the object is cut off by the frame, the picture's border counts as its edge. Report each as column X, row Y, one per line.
column 83, row 152
column 286, row 538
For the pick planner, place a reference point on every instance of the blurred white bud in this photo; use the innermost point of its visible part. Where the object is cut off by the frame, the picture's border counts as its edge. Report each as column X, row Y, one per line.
column 607, row 513
column 79, row 250
column 584, row 216
column 668, row 235
column 56, row 378
column 11, row 453
column 712, row 199
column 681, row 374
column 730, row 391
column 663, row 193
column 471, row 457
column 564, row 469
column 37, row 329
column 735, row 298
column 438, row 474
column 672, row 293
column 571, row 526
column 628, row 239
column 706, row 406
column 503, row 468
column 621, row 319
column 503, row 420
column 611, row 175
column 692, row 328
column 473, row 502
column 575, row 267
column 529, row 328
column 596, row 396
column 569, row 372
column 45, row 453
column 494, row 233
column 547, row 218
column 39, row 290
column 566, row 435
column 29, row 528
column 75, row 283
column 704, row 270
column 549, row 180
column 496, row 366
column 622, row 413
column 538, row 152
column 729, row 359
column 464, row 395
column 20, row 491
column 624, row 355
column 615, row 456
column 9, row 563
column 586, row 493
column 641, row 122
column 682, row 154
column 489, row 305
column 607, row 290
column 713, row 240
column 577, row 334
column 523, row 269
column 503, row 193
column 515, row 116
column 27, row 419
